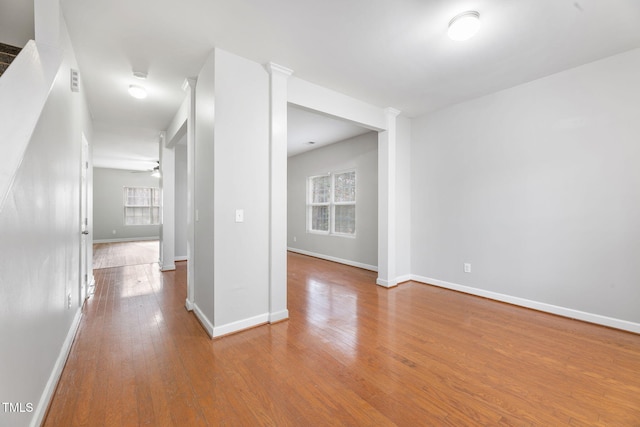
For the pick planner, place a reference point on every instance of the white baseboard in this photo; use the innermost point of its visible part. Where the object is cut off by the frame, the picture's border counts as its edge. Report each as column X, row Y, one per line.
column 188, row 304
column 540, row 306
column 168, row 267
column 335, row 259
column 229, row 328
column 403, row 278
column 50, row 388
column 181, row 258
column 92, row 286
column 393, row 283
column 278, row 316
column 127, row 239
column 240, row 325
column 386, row 283
column 204, row 321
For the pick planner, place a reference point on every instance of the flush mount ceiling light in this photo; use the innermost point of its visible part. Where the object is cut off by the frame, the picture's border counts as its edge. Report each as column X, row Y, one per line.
column 140, row 75
column 464, row 26
column 137, row 91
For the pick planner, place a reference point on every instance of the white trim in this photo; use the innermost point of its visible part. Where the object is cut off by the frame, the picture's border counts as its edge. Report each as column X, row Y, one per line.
column 331, row 204
column 50, row 388
column 311, row 204
column 315, row 97
column 169, row 267
column 387, row 200
column 278, row 316
column 167, row 206
column 278, row 84
column 240, row 325
column 181, row 258
column 272, row 68
column 403, row 278
column 190, row 86
column 334, row 259
column 386, row 283
column 206, row 324
column 92, row 286
column 188, row 305
column 128, row 239
column 540, row 306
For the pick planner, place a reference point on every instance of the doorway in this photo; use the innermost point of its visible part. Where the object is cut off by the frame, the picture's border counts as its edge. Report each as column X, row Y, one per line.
column 86, row 285
column 326, row 149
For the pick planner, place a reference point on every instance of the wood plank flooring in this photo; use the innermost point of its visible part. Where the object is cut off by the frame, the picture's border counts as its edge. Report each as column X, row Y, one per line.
column 352, row 354
column 118, row 254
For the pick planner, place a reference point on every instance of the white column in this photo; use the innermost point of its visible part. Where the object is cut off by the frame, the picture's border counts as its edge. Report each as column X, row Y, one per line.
column 278, row 189
column 387, row 202
column 190, row 86
column 167, row 229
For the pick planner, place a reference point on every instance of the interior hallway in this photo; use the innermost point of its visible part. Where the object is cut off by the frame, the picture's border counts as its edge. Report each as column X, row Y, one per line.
column 352, row 353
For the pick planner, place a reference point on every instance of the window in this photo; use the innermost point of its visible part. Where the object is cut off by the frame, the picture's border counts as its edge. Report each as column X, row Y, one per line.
column 141, row 206
column 319, row 203
column 331, row 203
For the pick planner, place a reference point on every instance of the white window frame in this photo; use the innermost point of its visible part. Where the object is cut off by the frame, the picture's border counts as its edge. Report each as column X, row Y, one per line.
column 311, row 204
column 153, row 219
column 334, row 203
column 331, row 204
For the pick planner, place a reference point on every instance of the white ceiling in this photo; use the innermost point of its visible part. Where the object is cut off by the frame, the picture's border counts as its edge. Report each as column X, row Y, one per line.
column 304, row 126
column 388, row 53
column 124, row 147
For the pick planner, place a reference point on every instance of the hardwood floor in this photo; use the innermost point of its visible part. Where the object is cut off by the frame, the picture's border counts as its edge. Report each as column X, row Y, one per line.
column 352, row 354
column 118, row 254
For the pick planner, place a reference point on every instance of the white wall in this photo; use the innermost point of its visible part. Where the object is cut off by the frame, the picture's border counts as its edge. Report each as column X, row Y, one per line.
column 359, row 153
column 536, row 187
column 39, row 251
column 16, row 22
column 181, row 202
column 203, row 262
column 232, row 172
column 108, row 213
column 241, row 167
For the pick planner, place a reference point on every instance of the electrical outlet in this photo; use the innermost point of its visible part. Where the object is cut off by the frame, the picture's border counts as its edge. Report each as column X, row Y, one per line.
column 295, row 239
column 69, row 300
column 467, row 267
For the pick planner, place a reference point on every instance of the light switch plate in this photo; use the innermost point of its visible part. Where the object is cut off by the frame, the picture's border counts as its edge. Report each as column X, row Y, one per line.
column 239, row 215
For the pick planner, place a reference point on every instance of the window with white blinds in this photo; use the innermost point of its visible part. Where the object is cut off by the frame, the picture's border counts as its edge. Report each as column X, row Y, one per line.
column 141, row 205
column 331, row 203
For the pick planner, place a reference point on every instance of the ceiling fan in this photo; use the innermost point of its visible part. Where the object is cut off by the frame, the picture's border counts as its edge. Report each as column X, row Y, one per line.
column 155, row 171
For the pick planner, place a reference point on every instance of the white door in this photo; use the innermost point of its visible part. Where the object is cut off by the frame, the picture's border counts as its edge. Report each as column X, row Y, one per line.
column 85, row 292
